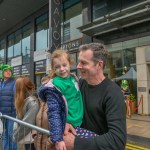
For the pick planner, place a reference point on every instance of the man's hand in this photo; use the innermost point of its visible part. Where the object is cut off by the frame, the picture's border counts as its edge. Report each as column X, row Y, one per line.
column 69, row 128
column 69, row 140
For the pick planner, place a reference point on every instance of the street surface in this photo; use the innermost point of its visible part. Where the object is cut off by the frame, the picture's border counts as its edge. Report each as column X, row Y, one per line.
column 138, row 132
column 135, row 147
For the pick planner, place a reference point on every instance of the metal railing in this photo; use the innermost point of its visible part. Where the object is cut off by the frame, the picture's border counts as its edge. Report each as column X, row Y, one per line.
column 24, row 124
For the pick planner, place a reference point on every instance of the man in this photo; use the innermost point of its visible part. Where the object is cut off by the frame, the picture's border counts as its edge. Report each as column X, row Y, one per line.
column 104, row 111
column 7, row 89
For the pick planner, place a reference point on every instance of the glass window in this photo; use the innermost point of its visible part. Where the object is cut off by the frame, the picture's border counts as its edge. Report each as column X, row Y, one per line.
column 74, row 58
column 103, row 7
column 26, row 31
column 66, row 30
column 72, row 19
column 114, row 64
column 75, row 62
column 2, row 51
column 1, row 56
column 99, row 8
column 120, row 58
column 38, row 80
column 10, row 48
column 127, row 3
column 17, row 43
column 72, row 11
column 129, row 57
column 42, row 32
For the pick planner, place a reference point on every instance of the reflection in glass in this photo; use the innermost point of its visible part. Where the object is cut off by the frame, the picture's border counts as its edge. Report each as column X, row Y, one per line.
column 26, row 44
column 1, row 56
column 1, row 51
column 10, row 48
column 74, row 58
column 42, row 32
column 114, row 64
column 72, row 19
column 118, row 59
column 17, row 43
column 106, row 7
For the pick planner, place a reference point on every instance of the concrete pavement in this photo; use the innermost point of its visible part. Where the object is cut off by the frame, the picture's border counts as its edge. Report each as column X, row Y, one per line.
column 138, row 130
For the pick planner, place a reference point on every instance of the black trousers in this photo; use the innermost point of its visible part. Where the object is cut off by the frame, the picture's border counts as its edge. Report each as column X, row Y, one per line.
column 29, row 146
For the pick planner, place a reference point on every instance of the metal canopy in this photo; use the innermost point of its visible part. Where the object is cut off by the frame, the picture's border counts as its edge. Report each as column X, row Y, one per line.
column 14, row 11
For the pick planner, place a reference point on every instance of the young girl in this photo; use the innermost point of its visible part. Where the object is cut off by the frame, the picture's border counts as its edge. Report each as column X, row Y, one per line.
column 26, row 107
column 63, row 98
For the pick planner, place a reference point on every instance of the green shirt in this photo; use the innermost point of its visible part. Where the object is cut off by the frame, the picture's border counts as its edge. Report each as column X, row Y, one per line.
column 69, row 88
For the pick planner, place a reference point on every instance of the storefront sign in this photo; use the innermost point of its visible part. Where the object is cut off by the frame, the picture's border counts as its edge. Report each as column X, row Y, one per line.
column 40, row 67
column 141, row 89
column 55, row 24
column 40, row 55
column 48, row 63
column 25, row 69
column 72, row 45
column 16, row 61
column 17, row 71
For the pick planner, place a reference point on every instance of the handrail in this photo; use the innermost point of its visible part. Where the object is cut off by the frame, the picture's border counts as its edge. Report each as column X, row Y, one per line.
column 44, row 131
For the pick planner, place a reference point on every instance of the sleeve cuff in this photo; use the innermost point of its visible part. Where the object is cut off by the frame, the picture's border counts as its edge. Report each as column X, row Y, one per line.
column 85, row 143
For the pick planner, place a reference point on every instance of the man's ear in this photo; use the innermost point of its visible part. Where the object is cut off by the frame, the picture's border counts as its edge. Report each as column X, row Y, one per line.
column 100, row 64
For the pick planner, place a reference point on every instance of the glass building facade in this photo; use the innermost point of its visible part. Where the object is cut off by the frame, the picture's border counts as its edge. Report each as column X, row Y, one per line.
column 19, row 41
column 82, row 21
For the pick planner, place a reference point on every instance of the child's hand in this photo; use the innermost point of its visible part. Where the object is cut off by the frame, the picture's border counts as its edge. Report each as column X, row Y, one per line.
column 60, row 145
column 69, row 128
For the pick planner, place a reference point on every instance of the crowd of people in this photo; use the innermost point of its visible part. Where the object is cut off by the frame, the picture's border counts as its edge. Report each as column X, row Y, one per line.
column 80, row 113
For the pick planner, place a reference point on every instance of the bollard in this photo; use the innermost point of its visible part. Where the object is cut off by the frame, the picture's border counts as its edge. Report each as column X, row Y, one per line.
column 142, row 105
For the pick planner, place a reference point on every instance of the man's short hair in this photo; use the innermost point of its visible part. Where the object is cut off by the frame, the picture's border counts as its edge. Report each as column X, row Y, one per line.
column 99, row 51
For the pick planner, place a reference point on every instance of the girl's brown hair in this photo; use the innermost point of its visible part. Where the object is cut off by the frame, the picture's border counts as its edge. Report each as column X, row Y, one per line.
column 24, row 88
column 56, row 54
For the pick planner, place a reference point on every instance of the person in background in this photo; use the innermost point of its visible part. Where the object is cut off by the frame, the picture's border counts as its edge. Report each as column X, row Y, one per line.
column 45, row 79
column 7, row 90
column 126, row 92
column 104, row 111
column 27, row 107
column 42, row 141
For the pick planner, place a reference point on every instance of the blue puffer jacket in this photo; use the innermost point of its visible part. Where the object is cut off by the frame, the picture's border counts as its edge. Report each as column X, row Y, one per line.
column 57, row 110
column 7, row 97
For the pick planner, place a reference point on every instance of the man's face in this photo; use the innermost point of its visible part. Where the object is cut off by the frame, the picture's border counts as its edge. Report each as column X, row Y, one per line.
column 88, row 69
column 7, row 74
